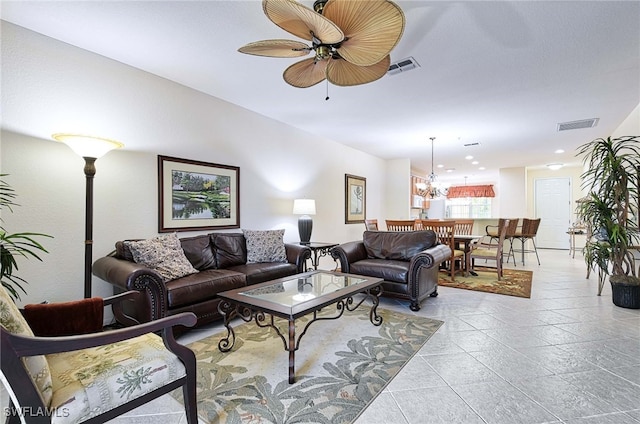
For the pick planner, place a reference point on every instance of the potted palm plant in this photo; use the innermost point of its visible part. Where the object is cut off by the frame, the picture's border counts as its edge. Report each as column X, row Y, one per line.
column 15, row 245
column 610, row 210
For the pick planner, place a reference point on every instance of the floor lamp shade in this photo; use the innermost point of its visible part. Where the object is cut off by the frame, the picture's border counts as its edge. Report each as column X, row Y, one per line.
column 90, row 148
column 304, row 207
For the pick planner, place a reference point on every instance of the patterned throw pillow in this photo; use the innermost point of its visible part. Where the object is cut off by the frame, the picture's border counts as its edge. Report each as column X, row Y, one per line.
column 164, row 254
column 265, row 246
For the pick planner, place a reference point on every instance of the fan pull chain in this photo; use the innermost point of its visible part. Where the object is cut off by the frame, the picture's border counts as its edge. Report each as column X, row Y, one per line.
column 327, row 98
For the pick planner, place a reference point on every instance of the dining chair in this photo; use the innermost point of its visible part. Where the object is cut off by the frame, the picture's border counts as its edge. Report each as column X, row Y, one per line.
column 445, row 230
column 484, row 248
column 528, row 231
column 93, row 377
column 401, row 224
column 464, row 226
column 492, row 231
column 371, row 224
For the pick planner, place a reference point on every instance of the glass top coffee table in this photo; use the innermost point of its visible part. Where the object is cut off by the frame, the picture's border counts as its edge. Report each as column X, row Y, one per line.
column 293, row 297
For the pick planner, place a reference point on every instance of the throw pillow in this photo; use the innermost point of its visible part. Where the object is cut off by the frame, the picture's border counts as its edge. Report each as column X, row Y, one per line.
column 164, row 254
column 265, row 246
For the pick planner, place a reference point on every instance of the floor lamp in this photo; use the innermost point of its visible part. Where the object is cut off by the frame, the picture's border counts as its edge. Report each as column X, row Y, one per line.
column 89, row 148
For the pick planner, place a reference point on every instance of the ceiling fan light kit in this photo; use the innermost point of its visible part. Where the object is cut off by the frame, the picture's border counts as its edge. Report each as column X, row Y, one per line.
column 351, row 40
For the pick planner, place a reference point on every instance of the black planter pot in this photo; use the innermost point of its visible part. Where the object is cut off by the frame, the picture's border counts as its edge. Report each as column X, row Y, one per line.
column 625, row 295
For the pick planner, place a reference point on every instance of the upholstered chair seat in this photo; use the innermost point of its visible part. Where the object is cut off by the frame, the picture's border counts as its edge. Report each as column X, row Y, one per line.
column 91, row 381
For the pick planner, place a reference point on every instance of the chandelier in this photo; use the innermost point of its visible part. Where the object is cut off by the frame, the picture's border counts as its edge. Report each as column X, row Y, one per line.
column 433, row 189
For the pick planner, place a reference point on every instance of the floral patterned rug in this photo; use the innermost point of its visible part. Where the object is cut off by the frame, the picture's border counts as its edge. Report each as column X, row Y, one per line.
column 341, row 366
column 513, row 283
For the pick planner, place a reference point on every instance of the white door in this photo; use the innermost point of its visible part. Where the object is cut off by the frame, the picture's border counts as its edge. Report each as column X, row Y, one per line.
column 553, row 206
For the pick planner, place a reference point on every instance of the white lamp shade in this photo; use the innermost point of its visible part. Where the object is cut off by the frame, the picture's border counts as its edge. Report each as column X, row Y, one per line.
column 87, row 146
column 304, row 207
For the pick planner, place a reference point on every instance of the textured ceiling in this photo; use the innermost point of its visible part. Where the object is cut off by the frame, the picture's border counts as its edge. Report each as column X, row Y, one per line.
column 502, row 74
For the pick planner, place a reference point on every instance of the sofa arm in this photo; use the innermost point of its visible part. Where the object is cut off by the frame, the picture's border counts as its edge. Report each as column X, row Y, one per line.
column 349, row 252
column 297, row 254
column 128, row 275
column 430, row 257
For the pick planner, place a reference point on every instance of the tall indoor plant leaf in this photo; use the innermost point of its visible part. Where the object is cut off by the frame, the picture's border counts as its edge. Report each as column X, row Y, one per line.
column 13, row 246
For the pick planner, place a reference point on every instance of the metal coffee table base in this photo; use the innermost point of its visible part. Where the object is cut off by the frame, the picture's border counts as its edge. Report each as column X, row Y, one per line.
column 230, row 310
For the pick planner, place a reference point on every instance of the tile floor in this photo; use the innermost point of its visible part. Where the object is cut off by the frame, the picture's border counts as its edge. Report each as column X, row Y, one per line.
column 563, row 356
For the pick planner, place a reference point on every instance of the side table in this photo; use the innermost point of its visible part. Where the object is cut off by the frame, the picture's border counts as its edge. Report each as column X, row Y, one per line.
column 573, row 232
column 318, row 250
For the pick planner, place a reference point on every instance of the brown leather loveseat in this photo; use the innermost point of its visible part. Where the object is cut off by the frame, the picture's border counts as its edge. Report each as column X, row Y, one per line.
column 221, row 262
column 407, row 261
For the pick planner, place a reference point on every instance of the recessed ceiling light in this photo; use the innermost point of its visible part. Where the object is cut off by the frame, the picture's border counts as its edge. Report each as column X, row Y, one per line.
column 482, row 168
column 451, row 169
column 559, row 151
column 440, row 166
column 468, row 157
column 555, row 166
column 475, row 162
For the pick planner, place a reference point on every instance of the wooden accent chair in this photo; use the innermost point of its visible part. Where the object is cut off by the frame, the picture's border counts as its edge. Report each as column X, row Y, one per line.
column 528, row 231
column 445, row 230
column 371, row 224
column 464, row 226
column 484, row 248
column 401, row 224
column 493, row 232
column 94, row 377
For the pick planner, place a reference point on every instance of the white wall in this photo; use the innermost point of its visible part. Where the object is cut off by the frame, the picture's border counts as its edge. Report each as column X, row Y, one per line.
column 511, row 194
column 49, row 84
column 397, row 191
column 631, row 125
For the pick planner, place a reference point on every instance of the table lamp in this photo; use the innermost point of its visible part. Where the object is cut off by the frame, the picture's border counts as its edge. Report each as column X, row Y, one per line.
column 304, row 207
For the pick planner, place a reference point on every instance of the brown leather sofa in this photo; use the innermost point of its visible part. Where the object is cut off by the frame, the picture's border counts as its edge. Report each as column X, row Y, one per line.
column 220, row 258
column 408, row 261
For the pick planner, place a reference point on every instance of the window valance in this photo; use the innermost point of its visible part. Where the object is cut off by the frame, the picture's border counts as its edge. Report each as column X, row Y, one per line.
column 471, row 191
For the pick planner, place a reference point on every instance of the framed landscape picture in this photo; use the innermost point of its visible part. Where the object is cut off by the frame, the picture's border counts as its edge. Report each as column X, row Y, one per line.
column 355, row 202
column 195, row 195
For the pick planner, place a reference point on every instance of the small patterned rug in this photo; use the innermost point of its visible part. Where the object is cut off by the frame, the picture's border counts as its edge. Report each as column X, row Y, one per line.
column 513, row 283
column 341, row 366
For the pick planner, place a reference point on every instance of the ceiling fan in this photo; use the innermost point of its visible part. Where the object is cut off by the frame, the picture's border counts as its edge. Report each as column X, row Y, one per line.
column 351, row 39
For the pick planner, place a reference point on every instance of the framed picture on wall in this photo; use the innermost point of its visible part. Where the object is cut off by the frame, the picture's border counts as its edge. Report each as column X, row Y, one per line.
column 195, row 195
column 355, row 199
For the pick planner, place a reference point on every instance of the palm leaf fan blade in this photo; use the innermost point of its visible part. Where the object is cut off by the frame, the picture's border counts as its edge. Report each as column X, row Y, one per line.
column 301, row 21
column 306, row 73
column 372, row 28
column 343, row 73
column 276, row 48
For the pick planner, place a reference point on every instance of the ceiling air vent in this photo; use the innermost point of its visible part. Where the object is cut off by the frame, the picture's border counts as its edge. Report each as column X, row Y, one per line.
column 471, row 144
column 576, row 125
column 403, row 66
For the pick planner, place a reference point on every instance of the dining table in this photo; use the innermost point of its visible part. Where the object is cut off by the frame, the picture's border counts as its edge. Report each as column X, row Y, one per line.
column 466, row 240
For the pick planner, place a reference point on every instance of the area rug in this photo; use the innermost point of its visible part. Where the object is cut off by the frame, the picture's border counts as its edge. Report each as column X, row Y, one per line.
column 513, row 283
column 341, row 366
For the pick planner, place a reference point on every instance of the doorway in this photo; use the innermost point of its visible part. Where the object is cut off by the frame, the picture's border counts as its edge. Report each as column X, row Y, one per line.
column 552, row 197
